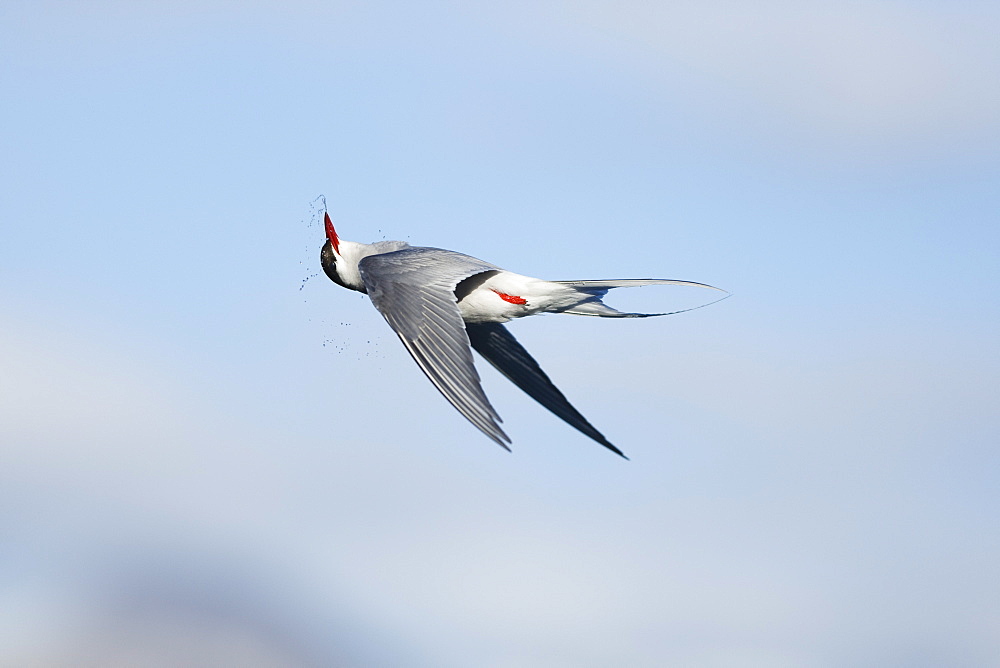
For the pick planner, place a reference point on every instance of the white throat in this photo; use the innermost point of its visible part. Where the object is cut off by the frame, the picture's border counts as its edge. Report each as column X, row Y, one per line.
column 350, row 254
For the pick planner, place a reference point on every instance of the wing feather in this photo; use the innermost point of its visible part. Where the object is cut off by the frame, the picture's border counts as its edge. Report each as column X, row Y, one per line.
column 499, row 347
column 414, row 290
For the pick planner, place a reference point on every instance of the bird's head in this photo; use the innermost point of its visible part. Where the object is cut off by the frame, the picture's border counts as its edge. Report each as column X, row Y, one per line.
column 330, row 253
column 341, row 259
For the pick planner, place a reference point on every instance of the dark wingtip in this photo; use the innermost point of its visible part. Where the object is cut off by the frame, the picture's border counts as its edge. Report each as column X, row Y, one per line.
column 502, row 442
column 605, row 442
column 615, row 450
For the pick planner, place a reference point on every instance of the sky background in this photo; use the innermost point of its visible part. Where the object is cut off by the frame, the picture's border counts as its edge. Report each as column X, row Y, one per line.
column 208, row 454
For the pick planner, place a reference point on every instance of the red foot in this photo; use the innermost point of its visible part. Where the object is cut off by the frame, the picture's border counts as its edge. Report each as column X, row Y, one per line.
column 513, row 299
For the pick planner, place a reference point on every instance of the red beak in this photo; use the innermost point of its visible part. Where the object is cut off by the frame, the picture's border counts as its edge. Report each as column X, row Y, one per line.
column 331, row 234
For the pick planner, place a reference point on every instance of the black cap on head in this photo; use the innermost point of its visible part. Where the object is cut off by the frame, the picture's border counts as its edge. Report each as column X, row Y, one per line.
column 328, row 260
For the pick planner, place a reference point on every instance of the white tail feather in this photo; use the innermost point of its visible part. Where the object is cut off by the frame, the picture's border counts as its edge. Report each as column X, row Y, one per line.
column 597, row 289
column 631, row 283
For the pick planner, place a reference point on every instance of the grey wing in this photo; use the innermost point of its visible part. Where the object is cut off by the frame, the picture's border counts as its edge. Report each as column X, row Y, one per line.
column 414, row 289
column 499, row 347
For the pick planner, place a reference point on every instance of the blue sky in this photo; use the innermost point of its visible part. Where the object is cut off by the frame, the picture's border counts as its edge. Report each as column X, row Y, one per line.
column 210, row 452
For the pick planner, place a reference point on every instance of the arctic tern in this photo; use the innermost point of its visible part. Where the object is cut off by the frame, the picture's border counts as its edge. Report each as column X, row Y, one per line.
column 442, row 304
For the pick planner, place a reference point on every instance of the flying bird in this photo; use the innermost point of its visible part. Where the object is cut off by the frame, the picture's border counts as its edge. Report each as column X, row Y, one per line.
column 443, row 304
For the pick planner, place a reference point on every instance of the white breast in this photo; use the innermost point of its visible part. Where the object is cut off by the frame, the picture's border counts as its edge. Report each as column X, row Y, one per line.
column 505, row 295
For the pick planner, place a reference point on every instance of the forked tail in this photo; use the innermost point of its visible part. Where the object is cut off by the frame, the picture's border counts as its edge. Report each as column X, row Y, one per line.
column 593, row 306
